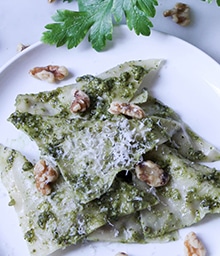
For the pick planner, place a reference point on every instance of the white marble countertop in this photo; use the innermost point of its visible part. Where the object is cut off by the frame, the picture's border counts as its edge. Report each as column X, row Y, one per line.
column 23, row 21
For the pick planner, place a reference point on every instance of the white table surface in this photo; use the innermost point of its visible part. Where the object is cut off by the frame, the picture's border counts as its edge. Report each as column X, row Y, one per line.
column 23, row 21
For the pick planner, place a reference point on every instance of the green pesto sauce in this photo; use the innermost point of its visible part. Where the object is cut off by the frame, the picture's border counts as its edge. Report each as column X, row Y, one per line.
column 12, row 202
column 169, row 224
column 170, row 192
column 113, row 86
column 30, row 236
column 54, row 151
column 11, row 159
column 44, row 217
column 210, row 203
column 191, row 195
column 155, row 107
column 136, row 236
column 51, row 96
column 103, row 91
column 65, row 240
column 196, row 155
column 25, row 120
column 27, row 166
column 213, row 177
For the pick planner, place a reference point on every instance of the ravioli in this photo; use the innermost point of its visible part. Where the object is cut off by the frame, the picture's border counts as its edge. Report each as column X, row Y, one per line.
column 56, row 221
column 123, row 82
column 89, row 157
column 189, row 144
column 192, row 193
column 96, row 152
column 91, row 148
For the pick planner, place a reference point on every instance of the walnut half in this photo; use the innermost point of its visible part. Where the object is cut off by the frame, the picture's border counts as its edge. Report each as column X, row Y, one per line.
column 44, row 176
column 126, row 109
column 50, row 73
column 81, row 101
column 193, row 246
column 151, row 173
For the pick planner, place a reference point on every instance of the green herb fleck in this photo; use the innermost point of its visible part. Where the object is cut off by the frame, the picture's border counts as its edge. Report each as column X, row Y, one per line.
column 30, row 236
column 12, row 202
column 27, row 166
column 44, row 217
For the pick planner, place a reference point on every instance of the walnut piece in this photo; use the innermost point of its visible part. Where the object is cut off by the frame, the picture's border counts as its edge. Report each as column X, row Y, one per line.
column 180, row 14
column 51, row 1
column 193, row 246
column 81, row 101
column 151, row 173
column 127, row 109
column 50, row 73
column 44, row 176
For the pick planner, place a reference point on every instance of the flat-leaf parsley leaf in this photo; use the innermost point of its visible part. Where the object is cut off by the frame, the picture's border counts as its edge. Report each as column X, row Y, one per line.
column 210, row 1
column 96, row 19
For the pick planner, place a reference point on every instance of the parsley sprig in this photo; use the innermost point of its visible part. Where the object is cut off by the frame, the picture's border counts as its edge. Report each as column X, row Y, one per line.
column 96, row 18
column 210, row 1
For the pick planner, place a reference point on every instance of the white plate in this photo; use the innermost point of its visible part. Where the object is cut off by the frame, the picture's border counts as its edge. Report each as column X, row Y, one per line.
column 189, row 82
